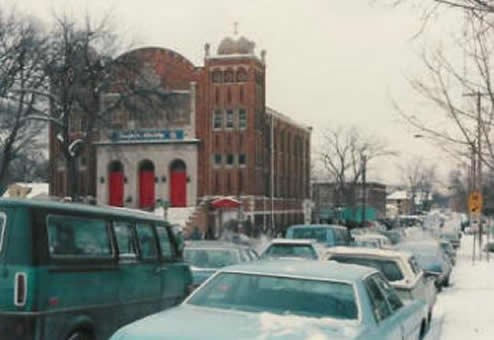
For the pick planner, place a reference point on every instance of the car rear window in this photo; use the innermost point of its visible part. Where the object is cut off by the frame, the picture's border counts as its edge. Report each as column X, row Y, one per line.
column 3, row 222
column 390, row 269
column 209, row 258
column 291, row 250
column 319, row 234
column 279, row 295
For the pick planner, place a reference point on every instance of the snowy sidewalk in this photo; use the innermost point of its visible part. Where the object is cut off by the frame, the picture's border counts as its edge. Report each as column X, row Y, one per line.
column 466, row 309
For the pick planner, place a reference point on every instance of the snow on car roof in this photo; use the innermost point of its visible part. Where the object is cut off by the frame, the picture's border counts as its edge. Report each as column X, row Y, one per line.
column 366, row 252
column 323, row 270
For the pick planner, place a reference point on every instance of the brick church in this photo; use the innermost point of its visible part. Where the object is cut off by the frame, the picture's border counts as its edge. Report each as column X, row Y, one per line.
column 218, row 151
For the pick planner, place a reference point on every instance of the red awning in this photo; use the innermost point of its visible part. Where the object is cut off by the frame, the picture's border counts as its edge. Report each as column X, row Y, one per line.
column 226, row 202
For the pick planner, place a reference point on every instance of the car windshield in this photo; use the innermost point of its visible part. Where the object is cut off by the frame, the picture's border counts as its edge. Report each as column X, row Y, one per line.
column 291, row 250
column 390, row 269
column 280, row 295
column 313, row 233
column 209, row 258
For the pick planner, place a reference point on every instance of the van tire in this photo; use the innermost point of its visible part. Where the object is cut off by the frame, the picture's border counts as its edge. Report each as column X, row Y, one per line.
column 81, row 335
column 423, row 331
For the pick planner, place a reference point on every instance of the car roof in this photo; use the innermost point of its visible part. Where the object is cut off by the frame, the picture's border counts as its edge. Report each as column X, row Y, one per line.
column 328, row 226
column 292, row 241
column 79, row 207
column 384, row 253
column 214, row 244
column 372, row 236
column 324, row 270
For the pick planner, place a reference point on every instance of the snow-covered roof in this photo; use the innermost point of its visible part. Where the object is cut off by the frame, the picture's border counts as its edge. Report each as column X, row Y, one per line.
column 398, row 195
column 35, row 190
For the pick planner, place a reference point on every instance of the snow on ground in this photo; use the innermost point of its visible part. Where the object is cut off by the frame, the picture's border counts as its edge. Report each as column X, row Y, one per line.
column 466, row 309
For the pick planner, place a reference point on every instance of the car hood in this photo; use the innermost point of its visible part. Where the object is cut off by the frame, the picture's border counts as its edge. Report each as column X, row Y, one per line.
column 209, row 323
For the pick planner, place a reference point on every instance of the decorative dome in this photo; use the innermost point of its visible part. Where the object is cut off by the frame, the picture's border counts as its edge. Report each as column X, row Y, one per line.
column 240, row 46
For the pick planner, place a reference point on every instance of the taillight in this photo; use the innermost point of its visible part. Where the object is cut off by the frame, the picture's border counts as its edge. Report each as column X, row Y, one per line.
column 20, row 290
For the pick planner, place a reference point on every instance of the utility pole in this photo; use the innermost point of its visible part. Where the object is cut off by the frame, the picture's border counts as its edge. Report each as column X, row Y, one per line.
column 364, row 189
column 476, row 172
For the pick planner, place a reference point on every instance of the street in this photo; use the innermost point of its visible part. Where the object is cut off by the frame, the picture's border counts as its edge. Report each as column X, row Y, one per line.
column 464, row 310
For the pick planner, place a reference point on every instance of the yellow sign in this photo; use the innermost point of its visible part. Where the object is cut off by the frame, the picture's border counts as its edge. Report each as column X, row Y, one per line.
column 475, row 202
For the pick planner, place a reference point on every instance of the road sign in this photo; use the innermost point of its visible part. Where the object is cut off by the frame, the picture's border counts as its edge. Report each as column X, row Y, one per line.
column 475, row 202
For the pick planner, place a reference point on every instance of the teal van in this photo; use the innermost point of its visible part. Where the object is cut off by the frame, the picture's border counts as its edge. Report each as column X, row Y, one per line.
column 329, row 235
column 77, row 272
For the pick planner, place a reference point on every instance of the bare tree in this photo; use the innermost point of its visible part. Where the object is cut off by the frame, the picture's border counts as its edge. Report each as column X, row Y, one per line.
column 22, row 46
column 342, row 154
column 419, row 179
column 83, row 65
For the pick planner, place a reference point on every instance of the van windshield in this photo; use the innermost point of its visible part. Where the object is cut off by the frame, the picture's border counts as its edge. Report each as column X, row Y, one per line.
column 319, row 234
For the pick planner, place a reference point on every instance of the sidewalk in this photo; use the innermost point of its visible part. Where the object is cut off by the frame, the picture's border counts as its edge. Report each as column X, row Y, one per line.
column 466, row 309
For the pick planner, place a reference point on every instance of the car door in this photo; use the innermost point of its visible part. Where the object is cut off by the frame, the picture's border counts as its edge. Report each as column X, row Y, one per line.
column 409, row 327
column 387, row 326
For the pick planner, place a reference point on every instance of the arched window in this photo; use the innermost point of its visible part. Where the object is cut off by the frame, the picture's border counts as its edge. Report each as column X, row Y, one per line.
column 242, row 75
column 217, row 76
column 228, row 76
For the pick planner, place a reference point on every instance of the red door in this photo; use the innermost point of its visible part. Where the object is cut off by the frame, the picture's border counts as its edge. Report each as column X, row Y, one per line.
column 146, row 188
column 116, row 187
column 178, row 188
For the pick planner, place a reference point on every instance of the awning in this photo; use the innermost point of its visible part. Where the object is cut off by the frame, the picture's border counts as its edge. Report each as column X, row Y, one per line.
column 226, row 202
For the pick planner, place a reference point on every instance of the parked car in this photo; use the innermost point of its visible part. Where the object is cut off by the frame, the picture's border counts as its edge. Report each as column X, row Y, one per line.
column 327, row 234
column 431, row 258
column 206, row 257
column 286, row 299
column 69, row 271
column 282, row 248
column 453, row 238
column 399, row 268
column 395, row 235
column 448, row 250
column 361, row 241
column 382, row 241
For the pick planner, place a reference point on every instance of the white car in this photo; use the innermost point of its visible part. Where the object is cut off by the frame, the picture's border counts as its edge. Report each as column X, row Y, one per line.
column 287, row 248
column 370, row 240
column 399, row 268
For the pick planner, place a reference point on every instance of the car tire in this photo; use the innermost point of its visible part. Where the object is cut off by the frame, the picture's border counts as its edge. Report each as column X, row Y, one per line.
column 423, row 331
column 80, row 335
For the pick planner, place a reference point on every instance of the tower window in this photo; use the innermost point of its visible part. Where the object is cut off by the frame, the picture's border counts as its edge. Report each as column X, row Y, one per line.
column 242, row 159
column 218, row 159
column 229, row 119
column 242, row 75
column 217, row 77
column 242, row 118
column 229, row 159
column 228, row 76
column 218, row 119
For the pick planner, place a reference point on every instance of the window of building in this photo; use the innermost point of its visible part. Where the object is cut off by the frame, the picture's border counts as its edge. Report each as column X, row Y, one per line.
column 229, row 119
column 229, row 76
column 218, row 119
column 217, row 77
column 242, row 159
column 241, row 75
column 242, row 118
column 230, row 159
column 218, row 159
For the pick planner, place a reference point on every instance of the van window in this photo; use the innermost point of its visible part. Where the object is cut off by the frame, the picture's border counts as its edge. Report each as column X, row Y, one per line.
column 3, row 220
column 147, row 242
column 76, row 236
column 125, row 239
column 167, row 250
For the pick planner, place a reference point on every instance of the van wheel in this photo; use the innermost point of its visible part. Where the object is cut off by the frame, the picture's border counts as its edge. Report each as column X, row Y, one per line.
column 80, row 335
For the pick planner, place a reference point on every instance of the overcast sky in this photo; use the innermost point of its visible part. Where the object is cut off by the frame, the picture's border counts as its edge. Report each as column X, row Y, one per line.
column 330, row 63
